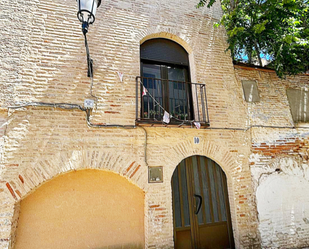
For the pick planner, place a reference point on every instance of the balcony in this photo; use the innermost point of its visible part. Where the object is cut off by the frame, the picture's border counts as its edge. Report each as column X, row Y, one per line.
column 185, row 102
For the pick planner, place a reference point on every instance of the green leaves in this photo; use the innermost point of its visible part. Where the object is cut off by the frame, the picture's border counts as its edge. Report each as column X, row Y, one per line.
column 259, row 27
column 276, row 29
column 235, row 31
column 288, row 1
column 203, row 2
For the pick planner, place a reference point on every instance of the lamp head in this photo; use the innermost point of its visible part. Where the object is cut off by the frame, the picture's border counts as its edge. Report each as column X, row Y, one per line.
column 86, row 12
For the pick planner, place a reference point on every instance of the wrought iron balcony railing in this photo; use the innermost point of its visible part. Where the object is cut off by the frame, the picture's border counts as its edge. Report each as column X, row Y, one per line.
column 185, row 102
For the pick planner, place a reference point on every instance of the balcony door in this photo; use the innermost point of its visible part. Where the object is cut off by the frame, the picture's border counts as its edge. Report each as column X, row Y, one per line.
column 200, row 205
column 165, row 75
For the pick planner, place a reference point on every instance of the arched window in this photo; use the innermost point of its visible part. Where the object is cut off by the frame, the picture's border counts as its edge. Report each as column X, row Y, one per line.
column 165, row 75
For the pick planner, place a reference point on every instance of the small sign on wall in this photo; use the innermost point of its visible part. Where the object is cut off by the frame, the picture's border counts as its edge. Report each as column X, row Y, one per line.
column 196, row 140
column 88, row 103
column 155, row 174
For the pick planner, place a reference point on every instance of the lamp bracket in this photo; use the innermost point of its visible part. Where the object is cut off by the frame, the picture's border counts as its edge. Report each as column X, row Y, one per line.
column 85, row 26
column 89, row 60
column 90, row 67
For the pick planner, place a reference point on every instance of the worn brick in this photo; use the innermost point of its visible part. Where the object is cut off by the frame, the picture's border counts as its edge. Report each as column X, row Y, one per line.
column 43, row 59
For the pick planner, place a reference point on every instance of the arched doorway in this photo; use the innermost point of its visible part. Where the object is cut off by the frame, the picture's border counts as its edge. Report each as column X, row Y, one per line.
column 200, row 205
column 83, row 209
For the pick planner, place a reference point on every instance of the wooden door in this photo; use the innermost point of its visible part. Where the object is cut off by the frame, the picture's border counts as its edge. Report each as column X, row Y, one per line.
column 200, row 205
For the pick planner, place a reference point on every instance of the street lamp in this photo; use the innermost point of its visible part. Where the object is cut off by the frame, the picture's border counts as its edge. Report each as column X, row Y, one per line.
column 86, row 15
column 86, row 12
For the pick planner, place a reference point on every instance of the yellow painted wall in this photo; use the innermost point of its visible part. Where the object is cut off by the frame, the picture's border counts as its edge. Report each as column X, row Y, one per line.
column 83, row 209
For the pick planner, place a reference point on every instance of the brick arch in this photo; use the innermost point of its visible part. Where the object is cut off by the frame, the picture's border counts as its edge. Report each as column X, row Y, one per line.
column 219, row 154
column 174, row 35
column 169, row 36
column 29, row 179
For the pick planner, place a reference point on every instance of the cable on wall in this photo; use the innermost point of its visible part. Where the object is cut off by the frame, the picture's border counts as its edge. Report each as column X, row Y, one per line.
column 69, row 106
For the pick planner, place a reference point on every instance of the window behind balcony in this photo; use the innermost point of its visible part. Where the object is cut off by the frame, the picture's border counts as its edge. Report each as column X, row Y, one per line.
column 165, row 75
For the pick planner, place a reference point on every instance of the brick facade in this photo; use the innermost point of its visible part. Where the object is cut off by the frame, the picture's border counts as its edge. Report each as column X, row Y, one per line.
column 278, row 160
column 43, row 60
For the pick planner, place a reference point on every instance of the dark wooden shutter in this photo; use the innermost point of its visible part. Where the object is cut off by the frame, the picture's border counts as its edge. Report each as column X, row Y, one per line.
column 164, row 51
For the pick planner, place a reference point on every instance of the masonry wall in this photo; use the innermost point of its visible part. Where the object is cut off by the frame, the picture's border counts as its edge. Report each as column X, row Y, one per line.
column 122, row 151
column 43, row 60
column 278, row 161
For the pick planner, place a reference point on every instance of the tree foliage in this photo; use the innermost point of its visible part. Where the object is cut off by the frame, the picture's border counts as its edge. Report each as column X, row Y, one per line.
column 276, row 29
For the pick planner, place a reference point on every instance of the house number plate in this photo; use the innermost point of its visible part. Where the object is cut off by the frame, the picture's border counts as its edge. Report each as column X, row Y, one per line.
column 196, row 140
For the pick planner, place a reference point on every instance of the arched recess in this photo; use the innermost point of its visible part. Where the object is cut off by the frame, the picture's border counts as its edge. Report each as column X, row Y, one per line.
column 218, row 153
column 83, row 209
column 201, row 210
column 33, row 175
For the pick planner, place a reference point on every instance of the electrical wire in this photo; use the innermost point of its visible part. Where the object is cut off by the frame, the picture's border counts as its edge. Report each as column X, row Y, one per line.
column 69, row 106
column 90, row 65
column 107, row 125
column 66, row 106
column 120, row 126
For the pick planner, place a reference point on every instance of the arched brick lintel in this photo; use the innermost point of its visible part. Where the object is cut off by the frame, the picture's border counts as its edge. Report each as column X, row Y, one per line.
column 218, row 153
column 33, row 176
column 174, row 35
column 169, row 36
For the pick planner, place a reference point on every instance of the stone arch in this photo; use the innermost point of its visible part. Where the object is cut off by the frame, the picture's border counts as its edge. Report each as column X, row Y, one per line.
column 217, row 153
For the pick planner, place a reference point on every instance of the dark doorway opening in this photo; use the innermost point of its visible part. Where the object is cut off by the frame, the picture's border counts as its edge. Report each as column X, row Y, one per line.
column 201, row 209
